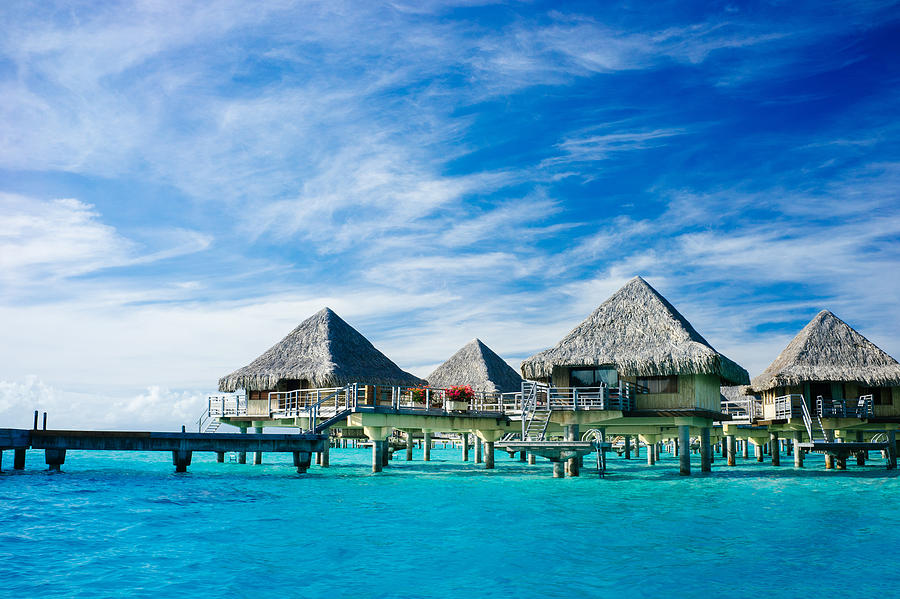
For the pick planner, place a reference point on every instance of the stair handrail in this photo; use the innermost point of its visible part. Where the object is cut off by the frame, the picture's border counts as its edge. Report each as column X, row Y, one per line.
column 529, row 403
column 313, row 409
column 807, row 419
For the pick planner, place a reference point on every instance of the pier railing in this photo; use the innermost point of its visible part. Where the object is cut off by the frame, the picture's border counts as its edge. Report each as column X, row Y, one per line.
column 786, row 407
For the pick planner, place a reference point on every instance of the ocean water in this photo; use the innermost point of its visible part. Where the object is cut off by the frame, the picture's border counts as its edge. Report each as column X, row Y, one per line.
column 123, row 524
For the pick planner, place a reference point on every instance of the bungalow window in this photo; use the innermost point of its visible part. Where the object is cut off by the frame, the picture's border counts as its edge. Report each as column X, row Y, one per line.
column 657, row 384
column 593, row 377
column 881, row 396
column 817, row 390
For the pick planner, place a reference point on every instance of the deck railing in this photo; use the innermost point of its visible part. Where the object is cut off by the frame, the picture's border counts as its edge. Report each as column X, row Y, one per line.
column 745, row 409
column 227, row 404
column 837, row 408
column 788, row 406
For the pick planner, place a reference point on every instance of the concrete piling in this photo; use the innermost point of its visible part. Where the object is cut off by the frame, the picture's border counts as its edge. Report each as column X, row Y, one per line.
column 798, row 453
column 257, row 455
column 729, row 450
column 242, row 455
column 745, row 449
column 627, row 447
column 684, row 459
column 489, row 455
column 19, row 458
column 54, row 458
column 465, row 447
column 325, row 454
column 559, row 469
column 477, row 449
column 705, row 451
column 572, row 463
column 531, row 459
column 302, row 460
column 181, row 459
column 220, row 457
column 409, row 446
column 378, row 447
column 860, row 455
column 427, row 446
column 776, row 454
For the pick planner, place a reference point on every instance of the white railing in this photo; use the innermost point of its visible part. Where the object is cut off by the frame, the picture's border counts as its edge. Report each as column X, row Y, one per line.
column 228, row 404
column 620, row 398
column 745, row 409
column 788, row 406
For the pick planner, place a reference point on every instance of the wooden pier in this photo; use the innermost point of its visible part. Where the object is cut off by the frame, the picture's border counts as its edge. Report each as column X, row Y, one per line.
column 182, row 445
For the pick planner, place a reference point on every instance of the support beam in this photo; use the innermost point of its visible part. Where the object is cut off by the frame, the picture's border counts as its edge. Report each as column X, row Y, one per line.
column 651, row 455
column 705, row 451
column 54, row 458
column 860, row 455
column 559, row 469
column 427, row 446
column 465, row 447
column 745, row 449
column 488, row 455
column 627, row 447
column 386, row 454
column 257, row 455
column 477, row 449
column 729, row 450
column 181, row 458
column 378, row 447
column 409, row 446
column 798, row 453
column 758, row 449
column 531, row 459
column 325, row 454
column 684, row 440
column 572, row 463
column 19, row 459
column 302, row 460
column 774, row 445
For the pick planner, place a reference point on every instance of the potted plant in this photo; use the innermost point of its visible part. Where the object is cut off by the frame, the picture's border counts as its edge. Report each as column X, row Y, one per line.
column 425, row 395
column 458, row 398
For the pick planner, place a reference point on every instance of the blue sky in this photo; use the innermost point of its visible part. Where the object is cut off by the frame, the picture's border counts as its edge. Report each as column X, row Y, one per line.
column 181, row 184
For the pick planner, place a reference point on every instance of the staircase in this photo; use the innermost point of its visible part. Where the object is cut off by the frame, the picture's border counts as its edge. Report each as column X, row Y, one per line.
column 329, row 422
column 816, row 434
column 536, row 425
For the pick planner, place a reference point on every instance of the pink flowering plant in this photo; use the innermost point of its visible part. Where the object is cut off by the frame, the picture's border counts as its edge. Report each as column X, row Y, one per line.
column 460, row 393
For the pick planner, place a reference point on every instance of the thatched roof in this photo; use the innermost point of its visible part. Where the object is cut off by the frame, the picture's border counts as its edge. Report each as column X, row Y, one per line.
column 324, row 350
column 478, row 366
column 829, row 350
column 736, row 392
column 642, row 334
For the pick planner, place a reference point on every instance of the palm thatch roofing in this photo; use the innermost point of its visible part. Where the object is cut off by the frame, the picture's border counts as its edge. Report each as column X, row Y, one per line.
column 324, row 350
column 829, row 350
column 639, row 332
column 736, row 392
column 476, row 365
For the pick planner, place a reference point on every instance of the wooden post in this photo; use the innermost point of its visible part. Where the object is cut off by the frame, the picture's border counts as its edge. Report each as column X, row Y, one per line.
column 705, row 451
column 572, row 463
column 19, row 459
column 427, row 446
column 559, row 469
column 477, row 449
column 729, row 450
column 409, row 446
column 627, row 447
column 301, row 461
column 798, row 453
column 773, row 443
column 684, row 440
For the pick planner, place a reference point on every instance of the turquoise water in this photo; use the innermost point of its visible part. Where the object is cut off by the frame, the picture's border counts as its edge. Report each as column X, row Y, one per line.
column 124, row 524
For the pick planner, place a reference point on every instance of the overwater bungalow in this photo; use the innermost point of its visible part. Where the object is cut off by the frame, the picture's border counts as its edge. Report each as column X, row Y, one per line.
column 478, row 366
column 322, row 352
column 636, row 366
column 830, row 382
